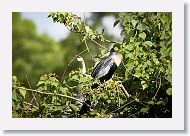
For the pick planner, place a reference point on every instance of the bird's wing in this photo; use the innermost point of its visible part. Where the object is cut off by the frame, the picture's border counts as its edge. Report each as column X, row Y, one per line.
column 102, row 68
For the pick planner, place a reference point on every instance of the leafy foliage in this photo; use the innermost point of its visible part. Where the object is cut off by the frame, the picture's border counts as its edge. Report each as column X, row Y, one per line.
column 141, row 87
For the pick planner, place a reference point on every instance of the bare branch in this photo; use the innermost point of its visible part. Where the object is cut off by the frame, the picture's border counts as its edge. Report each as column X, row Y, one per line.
column 54, row 94
column 124, row 90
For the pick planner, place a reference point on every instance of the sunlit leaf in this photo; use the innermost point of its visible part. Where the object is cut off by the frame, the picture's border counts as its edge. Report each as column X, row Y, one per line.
column 144, row 110
column 142, row 35
column 169, row 91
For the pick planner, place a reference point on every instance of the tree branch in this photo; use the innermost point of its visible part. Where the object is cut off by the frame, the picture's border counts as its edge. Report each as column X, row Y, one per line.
column 54, row 94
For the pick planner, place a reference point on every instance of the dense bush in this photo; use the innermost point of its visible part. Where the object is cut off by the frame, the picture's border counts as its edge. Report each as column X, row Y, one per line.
column 145, row 73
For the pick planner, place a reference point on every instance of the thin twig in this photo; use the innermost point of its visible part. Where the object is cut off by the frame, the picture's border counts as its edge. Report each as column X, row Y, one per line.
column 30, row 105
column 33, row 95
column 85, row 39
column 70, row 87
column 129, row 95
column 28, row 81
column 100, row 45
column 112, row 41
column 158, row 87
column 122, row 107
column 124, row 90
column 70, row 63
column 87, row 48
column 134, row 114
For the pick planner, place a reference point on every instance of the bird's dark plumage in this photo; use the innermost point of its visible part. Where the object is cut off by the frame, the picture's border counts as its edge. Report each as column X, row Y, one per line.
column 85, row 108
column 107, row 66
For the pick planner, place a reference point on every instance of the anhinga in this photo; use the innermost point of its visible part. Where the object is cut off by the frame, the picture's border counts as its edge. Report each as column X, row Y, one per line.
column 107, row 66
column 85, row 107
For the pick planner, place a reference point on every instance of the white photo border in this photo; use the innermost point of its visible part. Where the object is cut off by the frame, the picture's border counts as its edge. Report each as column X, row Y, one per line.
column 174, row 123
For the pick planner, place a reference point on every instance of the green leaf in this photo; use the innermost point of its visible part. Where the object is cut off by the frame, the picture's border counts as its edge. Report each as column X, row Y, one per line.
column 144, row 85
column 144, row 110
column 160, row 102
column 64, row 90
column 116, row 23
column 94, row 112
column 55, row 84
column 82, row 79
column 137, row 74
column 142, row 35
column 130, row 47
column 141, row 27
column 88, row 30
column 51, row 14
column 130, row 64
column 103, row 52
column 14, row 79
column 75, row 77
column 40, row 83
column 23, row 92
column 169, row 91
column 164, row 19
column 127, row 29
column 73, row 107
column 156, row 61
column 151, row 102
column 14, row 97
column 108, row 101
column 149, row 43
column 134, row 22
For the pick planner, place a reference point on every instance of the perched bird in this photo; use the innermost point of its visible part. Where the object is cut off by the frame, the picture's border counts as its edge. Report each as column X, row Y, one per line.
column 84, row 107
column 107, row 66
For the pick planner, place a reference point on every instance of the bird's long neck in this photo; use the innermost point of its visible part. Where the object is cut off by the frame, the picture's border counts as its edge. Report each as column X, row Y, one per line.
column 117, row 57
column 83, row 67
